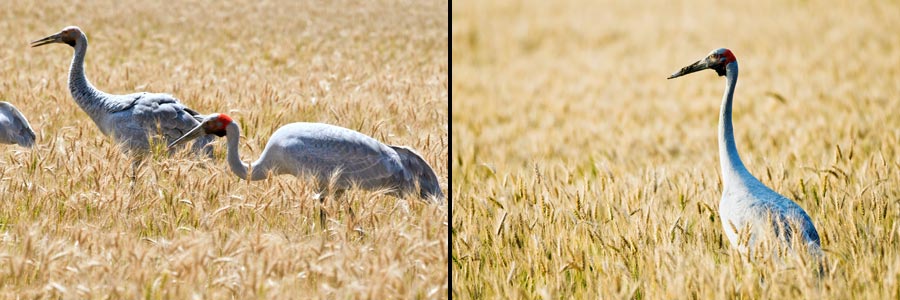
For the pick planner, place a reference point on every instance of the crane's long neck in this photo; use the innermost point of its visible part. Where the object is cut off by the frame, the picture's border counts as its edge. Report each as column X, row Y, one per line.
column 91, row 100
column 233, row 134
column 732, row 167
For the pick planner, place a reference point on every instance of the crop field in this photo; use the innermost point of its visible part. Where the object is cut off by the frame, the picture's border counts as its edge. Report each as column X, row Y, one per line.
column 74, row 225
column 580, row 172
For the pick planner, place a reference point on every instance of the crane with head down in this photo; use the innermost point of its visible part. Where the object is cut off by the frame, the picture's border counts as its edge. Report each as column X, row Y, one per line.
column 322, row 151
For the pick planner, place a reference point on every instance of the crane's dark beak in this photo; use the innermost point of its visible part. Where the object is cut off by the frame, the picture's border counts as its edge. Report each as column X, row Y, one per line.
column 47, row 40
column 700, row 65
column 193, row 134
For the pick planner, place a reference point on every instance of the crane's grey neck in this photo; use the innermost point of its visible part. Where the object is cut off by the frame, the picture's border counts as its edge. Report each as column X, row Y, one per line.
column 233, row 135
column 91, row 100
column 733, row 169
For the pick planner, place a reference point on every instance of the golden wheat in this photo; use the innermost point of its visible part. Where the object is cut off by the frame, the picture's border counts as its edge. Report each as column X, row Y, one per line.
column 72, row 226
column 579, row 171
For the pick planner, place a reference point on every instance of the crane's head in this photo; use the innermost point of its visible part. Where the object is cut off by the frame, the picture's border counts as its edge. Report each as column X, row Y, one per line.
column 68, row 35
column 717, row 60
column 213, row 124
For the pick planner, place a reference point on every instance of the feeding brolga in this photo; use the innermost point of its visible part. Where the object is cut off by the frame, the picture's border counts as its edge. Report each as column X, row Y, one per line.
column 132, row 120
column 322, row 151
column 14, row 128
column 746, row 202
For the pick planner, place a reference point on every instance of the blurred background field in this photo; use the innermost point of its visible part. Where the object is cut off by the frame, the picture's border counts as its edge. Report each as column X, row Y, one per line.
column 71, row 225
column 580, row 171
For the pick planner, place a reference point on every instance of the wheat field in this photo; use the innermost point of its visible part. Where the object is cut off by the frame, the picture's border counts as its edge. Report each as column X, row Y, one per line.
column 72, row 225
column 580, row 172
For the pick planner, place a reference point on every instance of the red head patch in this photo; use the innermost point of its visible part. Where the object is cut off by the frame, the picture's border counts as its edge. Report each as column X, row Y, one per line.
column 225, row 119
column 216, row 124
column 725, row 53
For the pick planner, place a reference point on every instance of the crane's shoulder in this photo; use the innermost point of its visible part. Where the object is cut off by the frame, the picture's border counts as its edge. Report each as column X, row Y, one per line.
column 324, row 140
column 153, row 99
column 152, row 104
column 324, row 133
column 120, row 103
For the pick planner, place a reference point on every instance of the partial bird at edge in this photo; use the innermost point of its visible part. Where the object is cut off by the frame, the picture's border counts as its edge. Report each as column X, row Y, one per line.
column 14, row 127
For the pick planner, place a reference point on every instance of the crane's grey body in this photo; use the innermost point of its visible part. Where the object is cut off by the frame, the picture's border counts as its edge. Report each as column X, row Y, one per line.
column 337, row 157
column 321, row 150
column 14, row 128
column 746, row 202
column 132, row 120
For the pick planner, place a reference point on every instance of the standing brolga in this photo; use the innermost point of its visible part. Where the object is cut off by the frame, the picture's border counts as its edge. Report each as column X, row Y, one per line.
column 337, row 157
column 746, row 202
column 133, row 119
column 14, row 128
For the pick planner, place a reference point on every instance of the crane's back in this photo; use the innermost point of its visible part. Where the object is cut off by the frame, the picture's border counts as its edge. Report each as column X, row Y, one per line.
column 321, row 150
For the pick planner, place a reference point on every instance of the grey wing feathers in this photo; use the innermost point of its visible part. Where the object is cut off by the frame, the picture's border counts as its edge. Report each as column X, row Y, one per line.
column 805, row 223
column 786, row 214
column 20, row 128
column 172, row 117
column 323, row 149
column 197, row 116
column 139, row 116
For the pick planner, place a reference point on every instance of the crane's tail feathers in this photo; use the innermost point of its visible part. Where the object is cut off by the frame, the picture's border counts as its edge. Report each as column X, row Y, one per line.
column 818, row 257
column 429, row 186
column 25, row 136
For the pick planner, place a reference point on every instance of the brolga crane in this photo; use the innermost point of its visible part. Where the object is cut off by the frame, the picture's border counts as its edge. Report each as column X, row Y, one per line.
column 323, row 150
column 133, row 119
column 14, row 128
column 747, row 202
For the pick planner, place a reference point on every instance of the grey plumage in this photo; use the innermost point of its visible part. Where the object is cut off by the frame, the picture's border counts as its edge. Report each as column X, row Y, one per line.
column 134, row 123
column 132, row 120
column 416, row 165
column 14, row 128
column 328, row 152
